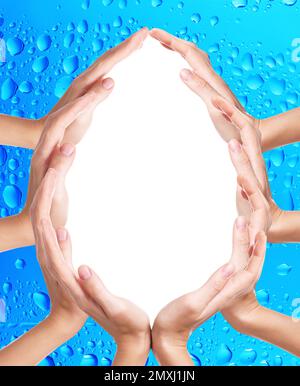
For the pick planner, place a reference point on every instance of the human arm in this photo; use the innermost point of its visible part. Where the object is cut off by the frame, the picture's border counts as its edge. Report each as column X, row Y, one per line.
column 119, row 317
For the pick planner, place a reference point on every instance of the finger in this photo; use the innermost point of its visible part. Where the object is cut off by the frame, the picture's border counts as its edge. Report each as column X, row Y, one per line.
column 241, row 244
column 241, row 161
column 199, row 86
column 249, row 137
column 212, row 288
column 62, row 159
column 197, row 59
column 57, row 123
column 42, row 201
column 59, row 268
column 259, row 218
column 94, row 288
column 107, row 61
column 65, row 244
column 258, row 255
column 216, row 282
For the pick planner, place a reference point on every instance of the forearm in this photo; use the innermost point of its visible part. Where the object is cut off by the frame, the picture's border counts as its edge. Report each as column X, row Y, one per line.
column 15, row 232
column 132, row 352
column 280, row 130
column 34, row 346
column 286, row 228
column 20, row 132
column 275, row 328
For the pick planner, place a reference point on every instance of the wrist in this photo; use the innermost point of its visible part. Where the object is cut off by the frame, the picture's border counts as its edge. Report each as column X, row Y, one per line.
column 65, row 325
column 132, row 350
column 25, row 226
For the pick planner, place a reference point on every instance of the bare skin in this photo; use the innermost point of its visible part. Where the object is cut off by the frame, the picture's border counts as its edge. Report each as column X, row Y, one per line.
column 232, row 122
column 89, row 89
column 123, row 320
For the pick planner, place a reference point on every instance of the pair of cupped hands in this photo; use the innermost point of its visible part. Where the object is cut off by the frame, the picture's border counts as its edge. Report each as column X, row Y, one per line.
column 75, row 295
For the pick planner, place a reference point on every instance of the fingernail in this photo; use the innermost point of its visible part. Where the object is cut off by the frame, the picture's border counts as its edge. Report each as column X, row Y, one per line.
column 228, row 270
column 108, row 83
column 235, row 146
column 186, row 75
column 61, row 234
column 241, row 223
column 67, row 149
column 85, row 273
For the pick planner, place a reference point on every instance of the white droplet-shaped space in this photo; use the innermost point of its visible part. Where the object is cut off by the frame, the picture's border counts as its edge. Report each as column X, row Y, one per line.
column 152, row 189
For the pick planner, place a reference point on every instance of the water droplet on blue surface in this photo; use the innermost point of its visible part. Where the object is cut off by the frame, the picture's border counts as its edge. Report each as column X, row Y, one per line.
column 25, row 87
column 248, row 356
column 7, row 287
column 12, row 196
column 20, row 264
column 62, row 85
column 83, row 27
column 97, row 45
column 196, row 360
column 156, row 3
column 71, row 64
column 196, row 18
column 66, row 351
column 240, row 3
column 277, row 86
column 247, row 62
column 42, row 300
column 8, row 89
column 48, row 361
column 254, row 82
column 89, row 360
column 223, row 354
column 14, row 46
column 283, row 269
column 3, row 155
column 44, row 42
column 40, row 64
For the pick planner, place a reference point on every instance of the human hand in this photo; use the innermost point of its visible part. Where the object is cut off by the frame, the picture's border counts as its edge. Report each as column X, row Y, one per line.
column 93, row 79
column 205, row 82
column 248, row 160
column 65, row 313
column 123, row 320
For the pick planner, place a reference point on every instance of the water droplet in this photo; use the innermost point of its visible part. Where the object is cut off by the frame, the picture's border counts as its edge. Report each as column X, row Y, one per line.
column 20, row 264
column 214, row 21
column 85, row 4
column 44, row 42
column 157, row 3
column 42, row 300
column 122, row 4
column 13, row 164
column 83, row 27
column 89, row 360
column 105, row 361
column 48, row 361
column 277, row 86
column 247, row 62
column 196, row 18
column 62, row 85
column 8, row 89
column 277, row 157
column 40, row 64
column 69, row 39
column 263, row 296
column 12, row 196
column 223, row 355
column 71, row 64
column 7, row 287
column 106, row 3
column 97, row 45
column 66, row 351
column 14, row 46
column 3, row 155
column 254, row 82
column 25, row 87
column 239, row 3
column 283, row 269
column 248, row 356
column 289, row 2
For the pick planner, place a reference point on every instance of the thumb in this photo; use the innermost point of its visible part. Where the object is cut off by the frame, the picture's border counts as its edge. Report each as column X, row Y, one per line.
column 93, row 286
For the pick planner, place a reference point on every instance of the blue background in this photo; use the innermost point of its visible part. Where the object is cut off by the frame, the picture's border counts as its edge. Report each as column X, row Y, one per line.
column 50, row 42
